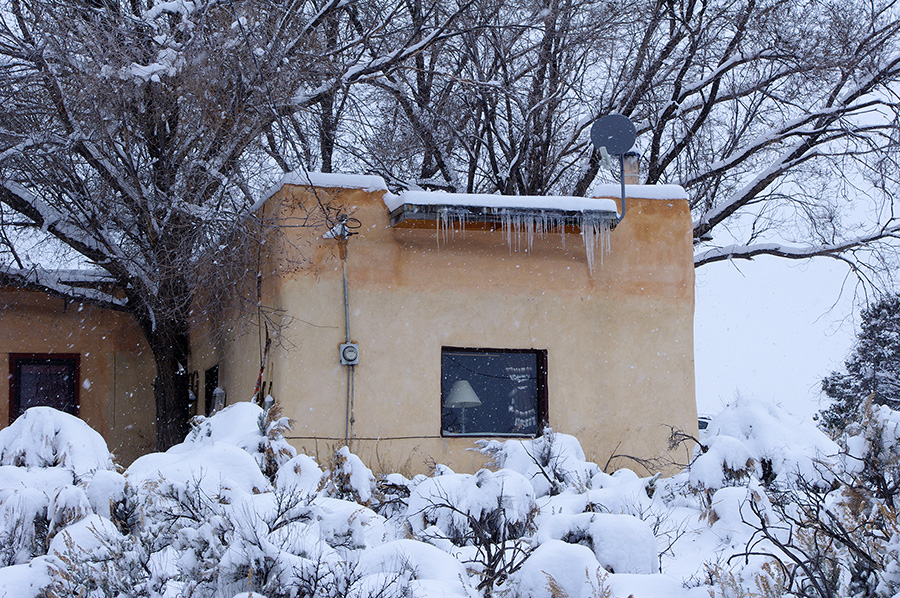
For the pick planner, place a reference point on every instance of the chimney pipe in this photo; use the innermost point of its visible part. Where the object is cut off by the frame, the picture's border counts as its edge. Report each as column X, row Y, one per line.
column 632, row 168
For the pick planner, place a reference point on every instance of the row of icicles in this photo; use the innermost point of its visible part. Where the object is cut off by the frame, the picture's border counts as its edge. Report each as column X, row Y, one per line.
column 517, row 226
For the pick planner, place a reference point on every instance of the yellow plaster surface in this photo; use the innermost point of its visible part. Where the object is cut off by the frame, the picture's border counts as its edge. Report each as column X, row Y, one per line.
column 619, row 339
column 116, row 368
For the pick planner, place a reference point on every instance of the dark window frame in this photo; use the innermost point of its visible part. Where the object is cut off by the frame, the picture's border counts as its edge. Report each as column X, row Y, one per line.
column 15, row 358
column 543, row 410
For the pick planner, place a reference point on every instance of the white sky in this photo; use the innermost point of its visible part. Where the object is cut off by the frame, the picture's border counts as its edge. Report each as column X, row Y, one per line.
column 770, row 329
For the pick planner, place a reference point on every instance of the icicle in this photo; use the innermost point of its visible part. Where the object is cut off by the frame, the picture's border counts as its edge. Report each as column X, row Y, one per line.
column 529, row 232
column 594, row 233
column 506, row 228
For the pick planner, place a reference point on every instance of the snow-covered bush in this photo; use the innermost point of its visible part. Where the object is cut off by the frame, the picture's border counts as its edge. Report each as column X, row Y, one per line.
column 620, row 543
column 348, row 478
column 204, row 520
column 408, row 568
column 473, row 509
column 301, row 475
column 68, row 506
column 45, row 437
column 558, row 569
column 258, row 431
column 23, row 526
column 758, row 439
column 43, row 454
column 394, row 491
column 766, row 580
column 108, row 493
column 870, row 456
column 832, row 522
column 551, row 462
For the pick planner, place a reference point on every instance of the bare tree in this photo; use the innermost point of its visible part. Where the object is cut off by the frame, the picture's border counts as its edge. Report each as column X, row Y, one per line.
column 135, row 134
column 778, row 117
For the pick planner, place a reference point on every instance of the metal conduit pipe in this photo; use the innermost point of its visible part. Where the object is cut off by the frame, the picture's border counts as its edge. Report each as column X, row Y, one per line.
column 348, row 416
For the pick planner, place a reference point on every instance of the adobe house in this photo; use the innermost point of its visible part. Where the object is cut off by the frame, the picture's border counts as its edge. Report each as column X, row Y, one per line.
column 410, row 326
column 86, row 361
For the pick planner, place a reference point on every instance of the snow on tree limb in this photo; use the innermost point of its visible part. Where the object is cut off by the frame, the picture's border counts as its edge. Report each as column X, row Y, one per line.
column 835, row 250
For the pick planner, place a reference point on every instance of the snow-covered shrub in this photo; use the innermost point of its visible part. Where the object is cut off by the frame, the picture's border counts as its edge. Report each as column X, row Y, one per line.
column 203, row 521
column 348, row 524
column 23, row 526
column 760, row 580
column 44, row 454
column 481, row 518
column 394, row 490
column 408, row 568
column 67, row 506
column 348, row 478
column 92, row 559
column 889, row 580
column 734, row 507
column 473, row 509
column 28, row 580
column 91, row 536
column 759, row 439
column 45, row 437
column 258, row 431
column 224, row 542
column 870, row 456
column 557, row 569
column 300, row 474
column 108, row 493
column 47, row 480
column 551, row 462
column 725, row 461
column 217, row 469
column 620, row 543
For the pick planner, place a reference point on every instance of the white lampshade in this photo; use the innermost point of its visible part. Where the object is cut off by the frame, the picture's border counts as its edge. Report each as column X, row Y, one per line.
column 462, row 395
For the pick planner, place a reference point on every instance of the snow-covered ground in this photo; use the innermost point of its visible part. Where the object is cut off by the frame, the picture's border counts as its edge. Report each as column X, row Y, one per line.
column 234, row 511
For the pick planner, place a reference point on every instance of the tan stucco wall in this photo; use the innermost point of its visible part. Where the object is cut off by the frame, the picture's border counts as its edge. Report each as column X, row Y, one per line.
column 116, row 368
column 233, row 345
column 618, row 340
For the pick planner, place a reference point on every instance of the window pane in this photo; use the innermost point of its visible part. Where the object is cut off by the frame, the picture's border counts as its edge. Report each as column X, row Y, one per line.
column 49, row 382
column 505, row 385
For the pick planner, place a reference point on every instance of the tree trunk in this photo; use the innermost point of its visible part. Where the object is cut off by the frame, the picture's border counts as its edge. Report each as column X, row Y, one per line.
column 169, row 343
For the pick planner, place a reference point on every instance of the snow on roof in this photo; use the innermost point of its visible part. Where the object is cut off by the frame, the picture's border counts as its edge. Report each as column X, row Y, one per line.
column 329, row 180
column 526, row 202
column 367, row 182
column 642, row 191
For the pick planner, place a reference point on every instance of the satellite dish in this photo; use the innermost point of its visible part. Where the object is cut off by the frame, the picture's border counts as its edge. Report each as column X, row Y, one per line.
column 614, row 132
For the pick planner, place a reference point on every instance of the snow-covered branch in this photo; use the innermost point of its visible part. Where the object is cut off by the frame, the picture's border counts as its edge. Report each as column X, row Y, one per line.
column 795, row 252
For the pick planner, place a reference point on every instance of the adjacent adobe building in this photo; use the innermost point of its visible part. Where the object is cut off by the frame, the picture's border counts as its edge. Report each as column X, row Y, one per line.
column 411, row 325
column 86, row 361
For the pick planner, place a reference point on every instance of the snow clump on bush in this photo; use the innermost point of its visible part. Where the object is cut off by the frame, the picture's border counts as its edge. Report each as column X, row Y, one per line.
column 45, row 437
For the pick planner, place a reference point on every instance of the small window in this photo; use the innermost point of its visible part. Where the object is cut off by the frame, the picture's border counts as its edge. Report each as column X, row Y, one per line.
column 493, row 392
column 49, row 380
